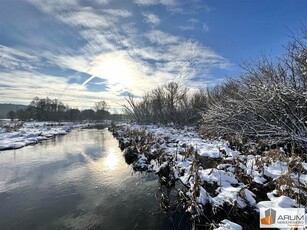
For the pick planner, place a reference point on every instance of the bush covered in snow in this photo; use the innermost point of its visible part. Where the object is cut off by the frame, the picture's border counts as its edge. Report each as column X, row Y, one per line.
column 268, row 101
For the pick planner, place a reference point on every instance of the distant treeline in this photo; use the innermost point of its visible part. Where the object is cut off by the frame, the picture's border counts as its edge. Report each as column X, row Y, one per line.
column 46, row 109
column 268, row 100
column 5, row 108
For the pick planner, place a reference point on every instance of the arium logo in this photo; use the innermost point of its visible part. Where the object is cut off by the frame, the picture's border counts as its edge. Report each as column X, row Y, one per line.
column 282, row 218
column 270, row 217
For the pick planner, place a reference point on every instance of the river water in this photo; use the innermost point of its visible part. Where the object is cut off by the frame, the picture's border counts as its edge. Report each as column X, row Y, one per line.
column 76, row 181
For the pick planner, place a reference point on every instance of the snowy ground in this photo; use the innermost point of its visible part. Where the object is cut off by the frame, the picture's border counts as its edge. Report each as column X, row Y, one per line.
column 234, row 180
column 34, row 132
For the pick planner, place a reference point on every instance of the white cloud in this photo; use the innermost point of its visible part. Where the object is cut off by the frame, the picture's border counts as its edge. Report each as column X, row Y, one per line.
column 118, row 12
column 186, row 28
column 152, row 19
column 191, row 24
column 160, row 38
column 129, row 28
column 193, row 21
column 70, row 12
column 146, row 2
column 103, row 2
column 59, row 6
column 11, row 58
column 115, row 49
column 155, row 2
column 87, row 18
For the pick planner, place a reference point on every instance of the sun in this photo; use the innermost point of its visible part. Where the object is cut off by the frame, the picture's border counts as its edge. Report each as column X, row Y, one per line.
column 114, row 68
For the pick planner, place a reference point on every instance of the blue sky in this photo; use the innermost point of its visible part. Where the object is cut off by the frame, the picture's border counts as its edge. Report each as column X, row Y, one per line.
column 83, row 51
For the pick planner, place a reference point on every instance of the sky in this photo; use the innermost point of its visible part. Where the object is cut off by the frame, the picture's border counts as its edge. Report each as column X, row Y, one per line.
column 84, row 51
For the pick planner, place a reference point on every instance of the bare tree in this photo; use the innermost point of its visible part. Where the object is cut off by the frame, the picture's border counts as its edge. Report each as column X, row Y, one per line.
column 168, row 104
column 101, row 105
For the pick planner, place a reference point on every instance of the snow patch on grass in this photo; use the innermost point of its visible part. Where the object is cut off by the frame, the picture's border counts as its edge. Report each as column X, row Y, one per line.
column 228, row 225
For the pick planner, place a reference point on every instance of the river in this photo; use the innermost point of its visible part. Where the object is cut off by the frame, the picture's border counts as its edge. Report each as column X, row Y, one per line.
column 76, row 181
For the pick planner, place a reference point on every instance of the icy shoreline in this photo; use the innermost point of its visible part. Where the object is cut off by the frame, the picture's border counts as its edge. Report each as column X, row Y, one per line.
column 34, row 132
column 216, row 178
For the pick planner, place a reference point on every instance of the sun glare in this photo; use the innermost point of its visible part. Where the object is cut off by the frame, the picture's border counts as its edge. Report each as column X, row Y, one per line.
column 115, row 69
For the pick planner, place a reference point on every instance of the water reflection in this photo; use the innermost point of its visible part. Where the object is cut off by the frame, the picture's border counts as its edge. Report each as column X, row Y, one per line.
column 110, row 162
column 79, row 181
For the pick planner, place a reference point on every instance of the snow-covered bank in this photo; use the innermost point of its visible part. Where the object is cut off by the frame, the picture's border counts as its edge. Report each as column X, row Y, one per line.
column 218, row 183
column 33, row 132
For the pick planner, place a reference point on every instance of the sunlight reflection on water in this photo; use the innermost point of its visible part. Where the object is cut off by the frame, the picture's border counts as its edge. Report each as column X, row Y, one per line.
column 110, row 162
column 77, row 181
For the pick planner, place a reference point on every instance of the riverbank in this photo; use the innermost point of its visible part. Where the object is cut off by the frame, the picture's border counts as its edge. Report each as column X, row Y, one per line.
column 15, row 136
column 217, row 186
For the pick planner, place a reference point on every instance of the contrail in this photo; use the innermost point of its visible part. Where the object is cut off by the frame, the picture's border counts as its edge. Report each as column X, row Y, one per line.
column 88, row 80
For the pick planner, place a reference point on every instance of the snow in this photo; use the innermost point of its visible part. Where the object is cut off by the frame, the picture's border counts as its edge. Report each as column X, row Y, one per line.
column 209, row 150
column 141, row 164
column 228, row 225
column 234, row 196
column 222, row 178
column 278, row 202
column 204, row 197
column 303, row 178
column 34, row 132
column 259, row 179
column 276, row 169
column 174, row 138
